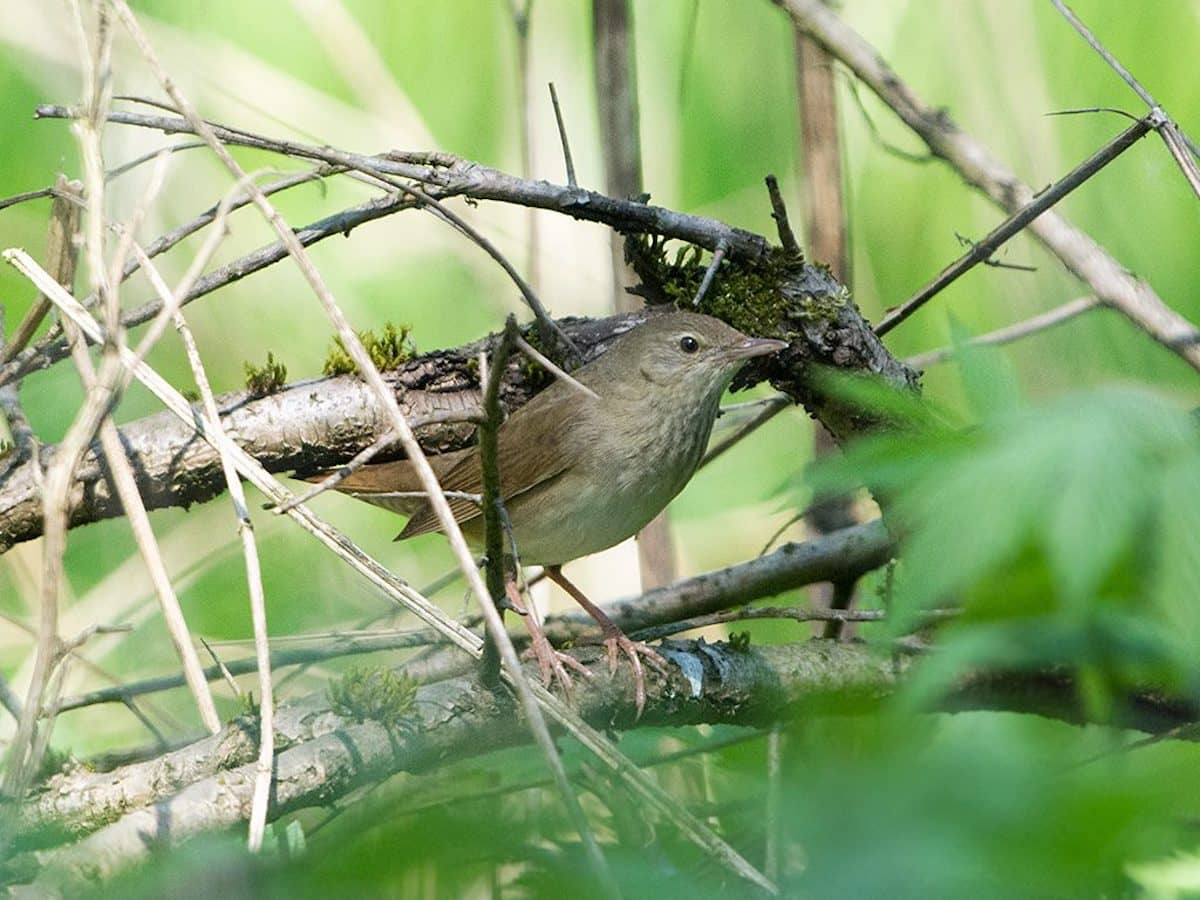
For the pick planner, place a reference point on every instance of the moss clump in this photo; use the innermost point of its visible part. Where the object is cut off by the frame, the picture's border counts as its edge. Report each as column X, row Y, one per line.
column 373, row 692
column 249, row 706
column 267, row 379
column 746, row 294
column 389, row 349
column 535, row 375
column 191, row 395
column 739, row 641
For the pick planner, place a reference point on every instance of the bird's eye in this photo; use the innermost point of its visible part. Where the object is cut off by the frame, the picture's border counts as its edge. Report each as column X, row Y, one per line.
column 689, row 344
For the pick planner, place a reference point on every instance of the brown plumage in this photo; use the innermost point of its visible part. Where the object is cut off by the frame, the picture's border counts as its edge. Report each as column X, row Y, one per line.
column 579, row 474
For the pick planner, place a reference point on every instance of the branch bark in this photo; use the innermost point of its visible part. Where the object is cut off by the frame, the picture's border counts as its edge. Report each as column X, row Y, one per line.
column 208, row 786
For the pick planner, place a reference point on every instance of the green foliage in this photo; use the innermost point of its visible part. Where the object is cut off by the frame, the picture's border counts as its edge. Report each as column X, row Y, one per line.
column 373, row 692
column 265, row 379
column 1065, row 530
column 740, row 641
column 389, row 349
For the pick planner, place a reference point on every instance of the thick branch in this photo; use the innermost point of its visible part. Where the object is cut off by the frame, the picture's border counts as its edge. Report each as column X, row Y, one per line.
column 327, row 756
column 841, row 555
column 314, row 424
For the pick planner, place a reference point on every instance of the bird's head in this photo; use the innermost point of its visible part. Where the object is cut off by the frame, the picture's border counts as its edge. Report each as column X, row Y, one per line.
column 691, row 354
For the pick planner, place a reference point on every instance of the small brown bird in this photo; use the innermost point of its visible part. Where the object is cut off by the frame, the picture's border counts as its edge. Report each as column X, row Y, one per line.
column 578, row 473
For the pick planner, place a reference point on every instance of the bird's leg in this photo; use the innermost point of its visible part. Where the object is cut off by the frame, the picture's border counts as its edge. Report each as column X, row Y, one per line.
column 614, row 638
column 551, row 663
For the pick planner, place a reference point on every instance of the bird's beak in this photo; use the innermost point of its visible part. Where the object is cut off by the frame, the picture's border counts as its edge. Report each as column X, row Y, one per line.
column 751, row 347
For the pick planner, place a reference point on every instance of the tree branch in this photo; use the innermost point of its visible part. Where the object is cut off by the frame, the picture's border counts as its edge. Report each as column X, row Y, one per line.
column 1111, row 282
column 207, row 786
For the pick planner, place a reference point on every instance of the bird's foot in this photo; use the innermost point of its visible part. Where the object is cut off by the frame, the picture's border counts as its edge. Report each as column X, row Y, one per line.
column 616, row 641
column 553, row 664
column 512, row 598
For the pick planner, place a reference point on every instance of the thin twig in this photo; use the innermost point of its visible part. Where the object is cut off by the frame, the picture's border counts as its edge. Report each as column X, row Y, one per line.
column 562, row 135
column 724, row 617
column 263, row 771
column 710, row 273
column 452, row 176
column 1110, row 281
column 61, row 256
column 1014, row 224
column 1177, row 141
column 1100, row 49
column 334, row 647
column 1010, row 333
column 546, row 363
column 787, row 238
column 224, row 670
column 771, row 407
column 9, row 700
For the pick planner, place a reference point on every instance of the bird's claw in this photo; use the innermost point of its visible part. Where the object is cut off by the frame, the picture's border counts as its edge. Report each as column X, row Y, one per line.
column 553, row 664
column 616, row 640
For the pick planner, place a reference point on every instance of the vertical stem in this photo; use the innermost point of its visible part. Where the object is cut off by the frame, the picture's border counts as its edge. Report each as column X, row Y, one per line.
column 774, row 771
column 493, row 526
column 825, row 225
column 521, row 13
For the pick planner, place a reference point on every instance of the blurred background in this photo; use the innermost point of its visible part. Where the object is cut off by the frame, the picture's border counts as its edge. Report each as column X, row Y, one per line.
column 717, row 94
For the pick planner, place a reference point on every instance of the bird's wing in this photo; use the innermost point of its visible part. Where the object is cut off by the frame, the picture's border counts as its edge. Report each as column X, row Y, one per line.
column 379, row 483
column 530, row 451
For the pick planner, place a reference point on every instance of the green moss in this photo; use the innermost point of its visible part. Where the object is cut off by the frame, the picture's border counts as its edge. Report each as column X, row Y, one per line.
column 373, row 692
column 390, row 349
column 267, row 379
column 746, row 294
column 191, row 395
column 739, row 641
column 249, row 707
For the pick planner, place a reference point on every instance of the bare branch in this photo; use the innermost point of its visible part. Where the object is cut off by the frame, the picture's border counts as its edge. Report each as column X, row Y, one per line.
column 206, row 786
column 562, row 134
column 981, row 251
column 1111, row 282
column 1010, row 333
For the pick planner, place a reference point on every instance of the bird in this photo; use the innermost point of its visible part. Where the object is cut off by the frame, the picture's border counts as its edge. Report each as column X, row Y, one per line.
column 582, row 470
